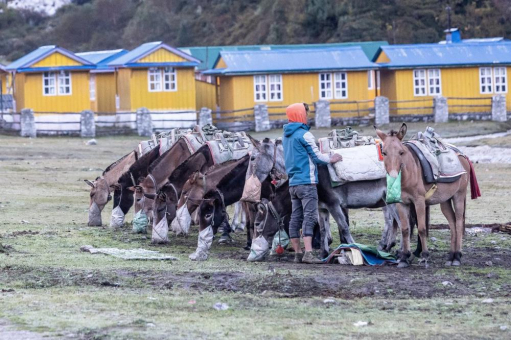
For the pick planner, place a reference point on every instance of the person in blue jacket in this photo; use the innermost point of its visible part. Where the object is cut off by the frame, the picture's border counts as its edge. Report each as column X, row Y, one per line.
column 302, row 157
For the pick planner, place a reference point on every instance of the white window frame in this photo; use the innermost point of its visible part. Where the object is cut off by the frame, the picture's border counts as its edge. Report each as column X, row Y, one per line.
column 338, row 83
column 328, row 90
column 435, row 74
column 171, row 74
column 370, row 79
column 484, row 78
column 92, row 87
column 500, row 80
column 62, row 76
column 261, row 88
column 275, row 87
column 50, row 76
column 156, row 81
column 418, row 76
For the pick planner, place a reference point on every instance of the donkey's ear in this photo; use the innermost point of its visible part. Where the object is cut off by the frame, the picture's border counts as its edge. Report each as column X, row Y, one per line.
column 194, row 177
column 382, row 135
column 402, row 132
column 254, row 141
column 89, row 183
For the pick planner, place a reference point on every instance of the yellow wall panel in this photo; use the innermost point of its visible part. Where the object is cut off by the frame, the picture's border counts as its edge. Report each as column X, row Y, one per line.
column 19, row 91
column 3, row 79
column 56, row 59
column 124, row 89
column 226, row 94
column 382, row 58
column 161, row 56
column 105, row 92
column 221, row 63
column 77, row 101
column 182, row 99
column 205, row 95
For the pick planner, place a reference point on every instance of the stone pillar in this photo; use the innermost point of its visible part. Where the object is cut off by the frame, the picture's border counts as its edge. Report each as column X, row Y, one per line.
column 28, row 128
column 261, row 117
column 498, row 108
column 205, row 117
column 381, row 111
column 323, row 118
column 440, row 110
column 144, row 122
column 87, row 124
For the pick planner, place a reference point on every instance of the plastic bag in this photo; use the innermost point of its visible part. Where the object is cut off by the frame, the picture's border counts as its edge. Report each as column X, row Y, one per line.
column 284, row 240
column 182, row 222
column 203, row 244
column 160, row 232
column 252, row 190
column 258, row 250
column 140, row 222
column 394, row 189
column 117, row 219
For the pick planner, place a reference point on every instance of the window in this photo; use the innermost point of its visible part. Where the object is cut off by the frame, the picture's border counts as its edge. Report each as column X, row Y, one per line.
column 419, row 82
column 485, row 80
column 260, row 88
column 325, row 86
column 154, row 80
column 92, row 87
column 49, row 88
column 435, row 83
column 341, row 85
column 500, row 76
column 169, row 78
column 275, row 87
column 370, row 79
column 64, row 83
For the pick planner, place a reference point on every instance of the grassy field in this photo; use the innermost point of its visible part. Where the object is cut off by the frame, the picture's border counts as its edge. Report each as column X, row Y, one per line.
column 50, row 289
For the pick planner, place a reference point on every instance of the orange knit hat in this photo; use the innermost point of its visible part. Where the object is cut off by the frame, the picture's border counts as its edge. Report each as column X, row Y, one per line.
column 296, row 113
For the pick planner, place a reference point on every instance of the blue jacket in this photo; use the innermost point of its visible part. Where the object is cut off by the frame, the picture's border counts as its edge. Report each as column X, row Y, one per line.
column 301, row 154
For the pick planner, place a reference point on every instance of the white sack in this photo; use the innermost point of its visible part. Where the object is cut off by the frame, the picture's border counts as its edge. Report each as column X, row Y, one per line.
column 117, row 219
column 360, row 163
column 182, row 222
column 258, row 250
column 203, row 244
column 161, row 232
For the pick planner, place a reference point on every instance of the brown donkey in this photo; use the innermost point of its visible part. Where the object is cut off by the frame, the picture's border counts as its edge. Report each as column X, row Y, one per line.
column 416, row 193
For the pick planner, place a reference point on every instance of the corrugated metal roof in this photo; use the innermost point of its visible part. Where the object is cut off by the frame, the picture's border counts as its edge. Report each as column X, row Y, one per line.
column 298, row 60
column 479, row 40
column 43, row 51
column 455, row 54
column 2, row 68
column 145, row 49
column 209, row 54
column 98, row 57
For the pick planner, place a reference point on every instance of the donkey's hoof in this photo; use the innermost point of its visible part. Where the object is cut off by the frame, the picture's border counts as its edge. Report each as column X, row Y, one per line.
column 448, row 263
column 411, row 258
column 403, row 264
column 224, row 239
column 456, row 263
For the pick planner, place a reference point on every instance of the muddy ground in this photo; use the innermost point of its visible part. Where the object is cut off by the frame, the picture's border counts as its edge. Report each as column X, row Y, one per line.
column 50, row 289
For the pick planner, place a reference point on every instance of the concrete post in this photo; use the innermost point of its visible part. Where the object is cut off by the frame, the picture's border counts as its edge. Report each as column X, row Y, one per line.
column 440, row 110
column 205, row 117
column 28, row 128
column 144, row 122
column 323, row 118
column 381, row 111
column 262, row 118
column 87, row 124
column 498, row 108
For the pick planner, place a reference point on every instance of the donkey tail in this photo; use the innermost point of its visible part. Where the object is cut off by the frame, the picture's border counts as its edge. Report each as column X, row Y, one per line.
column 474, row 186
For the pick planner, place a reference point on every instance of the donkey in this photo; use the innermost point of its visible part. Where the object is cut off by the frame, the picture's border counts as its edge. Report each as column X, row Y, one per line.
column 103, row 185
column 414, row 191
column 198, row 184
column 337, row 200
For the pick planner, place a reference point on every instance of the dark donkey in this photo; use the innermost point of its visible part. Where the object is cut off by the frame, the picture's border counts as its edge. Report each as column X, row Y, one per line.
column 103, row 185
column 452, row 197
column 126, row 186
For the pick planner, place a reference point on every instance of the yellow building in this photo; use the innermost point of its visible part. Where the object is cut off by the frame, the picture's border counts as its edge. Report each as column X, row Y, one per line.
column 467, row 73
column 344, row 76
column 3, row 78
column 157, row 77
column 51, row 79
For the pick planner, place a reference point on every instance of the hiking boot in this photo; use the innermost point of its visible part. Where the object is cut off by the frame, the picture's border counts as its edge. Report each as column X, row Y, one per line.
column 308, row 257
column 298, row 258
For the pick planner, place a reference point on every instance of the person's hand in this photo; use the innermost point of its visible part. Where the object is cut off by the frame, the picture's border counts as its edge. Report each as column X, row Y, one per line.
column 335, row 158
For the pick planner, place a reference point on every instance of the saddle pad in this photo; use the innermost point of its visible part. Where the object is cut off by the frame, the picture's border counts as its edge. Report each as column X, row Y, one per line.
column 167, row 139
column 360, row 163
column 145, row 146
column 233, row 151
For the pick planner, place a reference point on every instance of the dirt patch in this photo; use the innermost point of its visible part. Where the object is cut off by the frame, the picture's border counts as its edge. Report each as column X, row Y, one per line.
column 9, row 332
column 21, row 233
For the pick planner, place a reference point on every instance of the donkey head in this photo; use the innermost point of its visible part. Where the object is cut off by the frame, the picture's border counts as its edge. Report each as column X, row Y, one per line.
column 192, row 192
column 99, row 197
column 393, row 150
column 164, row 205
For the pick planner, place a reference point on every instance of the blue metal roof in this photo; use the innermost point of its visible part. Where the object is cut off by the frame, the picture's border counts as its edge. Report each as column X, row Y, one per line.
column 297, row 60
column 146, row 49
column 447, row 55
column 102, row 58
column 2, row 68
column 26, row 61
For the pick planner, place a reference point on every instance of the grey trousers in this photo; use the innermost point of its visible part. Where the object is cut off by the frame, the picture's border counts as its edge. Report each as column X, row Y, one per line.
column 304, row 201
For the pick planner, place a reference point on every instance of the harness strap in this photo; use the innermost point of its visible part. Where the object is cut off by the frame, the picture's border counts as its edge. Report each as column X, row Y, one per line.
column 431, row 191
